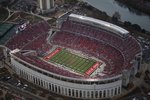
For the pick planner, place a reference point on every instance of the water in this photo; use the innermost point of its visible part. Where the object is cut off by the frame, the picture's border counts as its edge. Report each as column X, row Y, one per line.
column 132, row 15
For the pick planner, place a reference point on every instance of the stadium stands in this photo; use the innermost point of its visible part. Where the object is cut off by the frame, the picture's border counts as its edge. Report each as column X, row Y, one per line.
column 28, row 35
column 128, row 46
column 114, row 50
column 34, row 60
column 39, row 44
column 89, row 46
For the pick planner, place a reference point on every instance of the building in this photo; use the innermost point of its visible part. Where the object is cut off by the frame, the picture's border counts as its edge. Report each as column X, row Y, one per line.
column 82, row 57
column 46, row 5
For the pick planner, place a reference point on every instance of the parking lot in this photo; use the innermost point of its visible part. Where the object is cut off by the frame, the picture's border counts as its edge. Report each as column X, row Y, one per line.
column 14, row 85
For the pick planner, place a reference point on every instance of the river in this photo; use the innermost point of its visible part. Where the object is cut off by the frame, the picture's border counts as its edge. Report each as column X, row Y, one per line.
column 132, row 15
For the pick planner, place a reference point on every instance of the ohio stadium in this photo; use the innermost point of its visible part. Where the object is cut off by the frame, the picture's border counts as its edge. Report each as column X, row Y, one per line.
column 81, row 57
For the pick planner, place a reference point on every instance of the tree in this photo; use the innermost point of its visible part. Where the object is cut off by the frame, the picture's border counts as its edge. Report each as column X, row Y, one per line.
column 71, row 1
column 136, row 27
column 1, row 92
column 116, row 17
column 143, row 31
column 127, row 24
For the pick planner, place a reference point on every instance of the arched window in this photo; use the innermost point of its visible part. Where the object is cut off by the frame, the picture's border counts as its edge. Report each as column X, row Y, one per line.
column 100, row 94
column 80, row 94
column 88, row 94
column 34, row 80
column 69, row 91
column 115, row 91
column 62, row 90
column 119, row 90
column 108, row 93
column 66, row 91
column 92, row 94
column 50, row 86
column 56, row 88
column 112, row 92
column 77, row 93
column 38, row 81
column 104, row 93
column 73, row 92
column 84, row 94
column 96, row 94
column 41, row 83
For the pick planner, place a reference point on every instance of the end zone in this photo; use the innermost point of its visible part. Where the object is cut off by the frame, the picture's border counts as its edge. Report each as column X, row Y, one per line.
column 52, row 54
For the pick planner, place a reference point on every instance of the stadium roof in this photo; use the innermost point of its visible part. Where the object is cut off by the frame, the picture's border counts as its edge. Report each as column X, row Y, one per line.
column 100, row 22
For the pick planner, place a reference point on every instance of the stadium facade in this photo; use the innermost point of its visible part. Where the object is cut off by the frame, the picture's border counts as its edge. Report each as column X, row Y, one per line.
column 59, row 59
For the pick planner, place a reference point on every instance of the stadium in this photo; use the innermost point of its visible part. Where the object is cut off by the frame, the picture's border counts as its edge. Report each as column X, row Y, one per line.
column 81, row 57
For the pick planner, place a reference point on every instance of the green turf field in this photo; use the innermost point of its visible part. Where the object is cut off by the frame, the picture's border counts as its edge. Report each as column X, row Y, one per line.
column 72, row 61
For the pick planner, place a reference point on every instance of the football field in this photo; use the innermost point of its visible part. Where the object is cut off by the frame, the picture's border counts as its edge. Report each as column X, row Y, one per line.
column 72, row 61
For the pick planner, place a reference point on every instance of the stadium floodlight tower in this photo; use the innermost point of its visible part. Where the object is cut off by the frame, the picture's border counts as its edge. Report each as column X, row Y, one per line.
column 46, row 5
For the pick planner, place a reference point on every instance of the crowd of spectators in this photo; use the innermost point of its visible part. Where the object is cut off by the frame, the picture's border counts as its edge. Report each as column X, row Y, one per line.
column 24, row 39
column 46, row 66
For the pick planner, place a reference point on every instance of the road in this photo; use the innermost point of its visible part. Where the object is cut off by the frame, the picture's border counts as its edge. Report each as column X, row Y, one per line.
column 16, row 90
